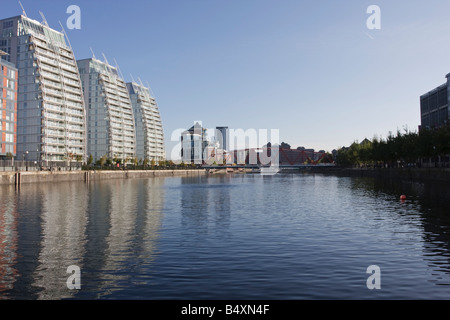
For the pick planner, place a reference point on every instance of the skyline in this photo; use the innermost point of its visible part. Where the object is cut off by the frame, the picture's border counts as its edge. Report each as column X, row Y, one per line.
column 313, row 71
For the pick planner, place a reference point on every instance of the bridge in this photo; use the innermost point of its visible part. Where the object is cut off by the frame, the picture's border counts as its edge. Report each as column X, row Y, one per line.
column 284, row 158
column 256, row 167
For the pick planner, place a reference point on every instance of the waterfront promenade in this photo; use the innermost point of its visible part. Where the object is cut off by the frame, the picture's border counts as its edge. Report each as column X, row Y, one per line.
column 23, row 177
column 401, row 174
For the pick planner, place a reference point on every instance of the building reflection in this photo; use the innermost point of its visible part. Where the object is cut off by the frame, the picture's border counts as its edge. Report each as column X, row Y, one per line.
column 63, row 237
column 21, row 229
column 431, row 203
column 434, row 200
column 151, row 196
column 120, row 239
column 109, row 229
column 8, row 238
column 125, row 218
column 205, row 202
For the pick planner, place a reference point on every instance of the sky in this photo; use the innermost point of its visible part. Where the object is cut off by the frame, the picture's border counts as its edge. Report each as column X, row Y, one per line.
column 311, row 70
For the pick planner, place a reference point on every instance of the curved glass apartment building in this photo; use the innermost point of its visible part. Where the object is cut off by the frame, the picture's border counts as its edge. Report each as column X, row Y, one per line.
column 50, row 110
column 149, row 130
column 110, row 119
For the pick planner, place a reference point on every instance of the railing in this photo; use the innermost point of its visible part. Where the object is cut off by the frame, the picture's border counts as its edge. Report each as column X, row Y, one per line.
column 18, row 165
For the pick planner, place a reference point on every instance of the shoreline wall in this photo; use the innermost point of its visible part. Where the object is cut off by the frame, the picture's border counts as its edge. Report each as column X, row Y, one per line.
column 18, row 178
column 405, row 174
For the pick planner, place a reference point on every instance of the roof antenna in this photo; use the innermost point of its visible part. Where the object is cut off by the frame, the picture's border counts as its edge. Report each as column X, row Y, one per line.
column 23, row 10
column 118, row 69
column 43, row 19
column 106, row 60
column 67, row 37
column 93, row 54
column 150, row 89
column 140, row 81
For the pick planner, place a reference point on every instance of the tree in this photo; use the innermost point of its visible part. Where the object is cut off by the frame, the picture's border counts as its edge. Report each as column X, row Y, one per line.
column 90, row 160
column 103, row 161
column 10, row 156
column 145, row 163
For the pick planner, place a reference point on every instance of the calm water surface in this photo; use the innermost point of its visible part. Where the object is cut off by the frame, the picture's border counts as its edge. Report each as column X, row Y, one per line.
column 226, row 237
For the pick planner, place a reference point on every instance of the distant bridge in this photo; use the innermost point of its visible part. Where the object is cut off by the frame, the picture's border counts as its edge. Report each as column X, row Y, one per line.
column 257, row 166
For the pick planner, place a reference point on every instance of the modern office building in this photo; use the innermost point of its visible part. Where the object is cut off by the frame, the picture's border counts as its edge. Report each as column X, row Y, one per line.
column 148, row 124
column 435, row 107
column 193, row 144
column 222, row 137
column 109, row 113
column 8, row 107
column 50, row 109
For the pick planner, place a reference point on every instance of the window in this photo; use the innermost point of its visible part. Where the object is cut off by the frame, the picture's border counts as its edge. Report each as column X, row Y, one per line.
column 10, row 95
column 8, row 24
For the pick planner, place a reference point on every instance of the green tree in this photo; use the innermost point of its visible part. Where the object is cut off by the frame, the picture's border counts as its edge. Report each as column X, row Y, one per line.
column 90, row 160
column 103, row 160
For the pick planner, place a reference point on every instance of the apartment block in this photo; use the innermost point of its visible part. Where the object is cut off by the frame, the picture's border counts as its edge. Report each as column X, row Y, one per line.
column 50, row 110
column 109, row 112
column 435, row 107
column 148, row 124
column 8, row 107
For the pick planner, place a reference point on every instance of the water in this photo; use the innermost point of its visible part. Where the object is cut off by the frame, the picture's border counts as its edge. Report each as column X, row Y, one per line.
column 276, row 237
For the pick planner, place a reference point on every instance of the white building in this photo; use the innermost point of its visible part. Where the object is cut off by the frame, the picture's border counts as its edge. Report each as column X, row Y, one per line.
column 110, row 119
column 148, row 124
column 50, row 112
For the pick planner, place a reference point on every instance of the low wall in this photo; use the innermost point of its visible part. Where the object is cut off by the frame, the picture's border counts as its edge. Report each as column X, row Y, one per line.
column 19, row 178
column 411, row 174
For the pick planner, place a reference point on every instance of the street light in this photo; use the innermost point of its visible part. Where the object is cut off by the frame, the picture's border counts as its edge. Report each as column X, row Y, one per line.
column 23, row 159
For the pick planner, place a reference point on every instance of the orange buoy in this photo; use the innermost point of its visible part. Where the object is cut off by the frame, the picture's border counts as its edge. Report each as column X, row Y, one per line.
column 402, row 197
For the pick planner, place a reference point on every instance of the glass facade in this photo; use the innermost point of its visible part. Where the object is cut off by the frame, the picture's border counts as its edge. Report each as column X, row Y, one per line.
column 149, row 130
column 51, row 115
column 193, row 144
column 110, row 119
column 8, row 107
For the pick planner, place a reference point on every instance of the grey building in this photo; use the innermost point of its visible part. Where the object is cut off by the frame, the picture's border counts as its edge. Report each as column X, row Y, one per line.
column 148, row 124
column 222, row 137
column 110, row 119
column 193, row 144
column 434, row 107
column 50, row 110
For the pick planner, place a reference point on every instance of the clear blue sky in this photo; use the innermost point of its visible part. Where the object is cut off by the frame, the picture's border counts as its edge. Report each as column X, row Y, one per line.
column 311, row 69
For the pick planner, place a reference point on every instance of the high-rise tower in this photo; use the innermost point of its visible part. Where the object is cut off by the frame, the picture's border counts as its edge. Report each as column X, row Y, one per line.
column 110, row 119
column 50, row 110
column 149, row 130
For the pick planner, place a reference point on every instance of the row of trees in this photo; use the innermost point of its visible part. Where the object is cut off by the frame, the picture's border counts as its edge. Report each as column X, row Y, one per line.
column 407, row 148
column 133, row 163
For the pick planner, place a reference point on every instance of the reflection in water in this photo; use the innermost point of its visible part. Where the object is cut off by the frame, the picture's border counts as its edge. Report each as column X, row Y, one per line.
column 225, row 236
column 108, row 229
column 119, row 241
column 64, row 220
column 205, row 199
column 125, row 218
column 8, row 239
column 427, row 206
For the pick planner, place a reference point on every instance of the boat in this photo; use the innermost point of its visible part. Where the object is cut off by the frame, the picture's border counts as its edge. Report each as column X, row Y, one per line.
column 268, row 171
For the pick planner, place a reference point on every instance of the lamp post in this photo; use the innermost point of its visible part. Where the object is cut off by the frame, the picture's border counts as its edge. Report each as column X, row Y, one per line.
column 23, row 159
